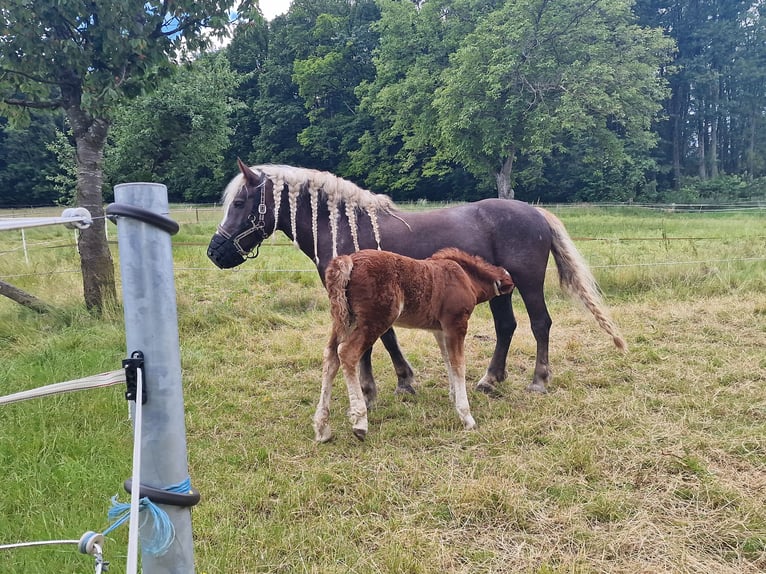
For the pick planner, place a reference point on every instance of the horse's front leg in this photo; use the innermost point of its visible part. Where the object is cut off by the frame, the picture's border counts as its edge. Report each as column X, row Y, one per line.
column 505, row 326
column 330, row 366
column 452, row 347
column 405, row 376
column 366, row 379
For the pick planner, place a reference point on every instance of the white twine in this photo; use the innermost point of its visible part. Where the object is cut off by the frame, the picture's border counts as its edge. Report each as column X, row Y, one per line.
column 135, row 499
column 95, row 381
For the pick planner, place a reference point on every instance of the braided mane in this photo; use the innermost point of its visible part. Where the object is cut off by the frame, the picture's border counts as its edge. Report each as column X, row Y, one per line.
column 319, row 185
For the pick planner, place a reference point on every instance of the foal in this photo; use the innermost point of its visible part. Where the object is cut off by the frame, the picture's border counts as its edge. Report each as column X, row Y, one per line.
column 372, row 290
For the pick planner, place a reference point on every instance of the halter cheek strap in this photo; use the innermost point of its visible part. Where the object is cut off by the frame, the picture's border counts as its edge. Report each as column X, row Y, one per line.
column 254, row 225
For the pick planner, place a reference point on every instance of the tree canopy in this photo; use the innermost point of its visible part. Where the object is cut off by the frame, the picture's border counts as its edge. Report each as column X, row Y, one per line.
column 574, row 100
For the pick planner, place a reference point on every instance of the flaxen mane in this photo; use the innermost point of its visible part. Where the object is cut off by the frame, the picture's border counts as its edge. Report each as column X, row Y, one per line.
column 335, row 191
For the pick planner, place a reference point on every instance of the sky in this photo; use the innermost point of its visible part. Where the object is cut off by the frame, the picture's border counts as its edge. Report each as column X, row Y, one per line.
column 272, row 8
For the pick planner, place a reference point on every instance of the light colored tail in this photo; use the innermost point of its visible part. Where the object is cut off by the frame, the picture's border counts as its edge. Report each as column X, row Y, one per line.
column 577, row 280
column 337, row 276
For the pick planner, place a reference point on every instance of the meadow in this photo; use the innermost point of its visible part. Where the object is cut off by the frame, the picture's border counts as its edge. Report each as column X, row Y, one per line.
column 652, row 461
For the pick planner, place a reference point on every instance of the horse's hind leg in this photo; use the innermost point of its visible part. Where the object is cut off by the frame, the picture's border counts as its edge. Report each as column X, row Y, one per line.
column 505, row 325
column 540, row 322
column 404, row 374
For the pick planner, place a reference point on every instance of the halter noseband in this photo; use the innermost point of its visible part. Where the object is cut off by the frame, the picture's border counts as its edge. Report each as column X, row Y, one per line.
column 254, row 225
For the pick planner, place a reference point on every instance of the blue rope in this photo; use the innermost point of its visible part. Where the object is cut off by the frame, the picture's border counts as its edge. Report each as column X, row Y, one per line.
column 163, row 532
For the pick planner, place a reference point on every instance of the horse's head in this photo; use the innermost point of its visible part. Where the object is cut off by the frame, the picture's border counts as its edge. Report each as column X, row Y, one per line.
column 247, row 219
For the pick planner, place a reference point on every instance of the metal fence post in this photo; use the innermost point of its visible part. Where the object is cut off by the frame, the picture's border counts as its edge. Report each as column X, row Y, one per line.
column 151, row 326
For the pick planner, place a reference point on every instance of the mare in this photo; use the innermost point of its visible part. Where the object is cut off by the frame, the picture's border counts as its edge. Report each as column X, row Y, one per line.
column 370, row 291
column 325, row 215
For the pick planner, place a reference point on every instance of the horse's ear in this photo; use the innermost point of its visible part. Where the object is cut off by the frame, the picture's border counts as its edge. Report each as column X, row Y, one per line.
column 251, row 177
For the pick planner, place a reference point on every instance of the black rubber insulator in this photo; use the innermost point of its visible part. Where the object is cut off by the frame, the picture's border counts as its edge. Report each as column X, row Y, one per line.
column 160, row 496
column 121, row 209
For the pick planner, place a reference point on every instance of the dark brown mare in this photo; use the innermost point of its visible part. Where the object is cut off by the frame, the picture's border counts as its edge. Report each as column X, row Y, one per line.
column 325, row 216
column 371, row 290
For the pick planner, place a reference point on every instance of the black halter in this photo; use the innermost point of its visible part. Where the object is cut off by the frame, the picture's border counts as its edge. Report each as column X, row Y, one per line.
column 254, row 224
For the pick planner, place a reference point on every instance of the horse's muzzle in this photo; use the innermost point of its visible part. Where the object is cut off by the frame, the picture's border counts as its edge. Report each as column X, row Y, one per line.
column 223, row 252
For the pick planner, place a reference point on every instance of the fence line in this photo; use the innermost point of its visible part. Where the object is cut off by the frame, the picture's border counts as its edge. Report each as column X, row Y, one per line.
column 77, row 217
column 313, row 269
column 47, row 244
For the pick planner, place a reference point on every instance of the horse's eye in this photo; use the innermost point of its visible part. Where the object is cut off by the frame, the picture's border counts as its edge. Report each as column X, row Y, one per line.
column 239, row 203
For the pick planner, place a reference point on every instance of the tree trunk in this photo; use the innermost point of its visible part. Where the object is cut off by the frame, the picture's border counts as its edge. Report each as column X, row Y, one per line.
column 713, row 151
column 751, row 146
column 679, row 105
column 95, row 258
column 701, row 155
column 23, row 298
column 503, row 177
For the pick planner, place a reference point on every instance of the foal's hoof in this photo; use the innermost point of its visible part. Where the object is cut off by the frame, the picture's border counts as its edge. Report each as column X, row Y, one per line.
column 321, row 437
column 360, row 434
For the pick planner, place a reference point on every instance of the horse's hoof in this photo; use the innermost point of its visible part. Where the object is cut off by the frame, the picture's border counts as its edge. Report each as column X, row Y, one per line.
column 404, row 389
column 538, row 388
column 470, row 424
column 360, row 434
column 489, row 389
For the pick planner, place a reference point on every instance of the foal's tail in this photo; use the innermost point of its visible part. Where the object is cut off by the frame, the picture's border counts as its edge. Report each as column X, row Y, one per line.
column 577, row 280
column 337, row 276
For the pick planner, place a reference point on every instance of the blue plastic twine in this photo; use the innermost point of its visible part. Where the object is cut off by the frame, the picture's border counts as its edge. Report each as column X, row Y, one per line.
column 163, row 532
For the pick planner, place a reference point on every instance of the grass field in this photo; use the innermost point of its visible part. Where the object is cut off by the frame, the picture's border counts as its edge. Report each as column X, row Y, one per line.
column 648, row 462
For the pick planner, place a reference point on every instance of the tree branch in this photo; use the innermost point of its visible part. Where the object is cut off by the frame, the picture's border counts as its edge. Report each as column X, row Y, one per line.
column 29, row 76
column 49, row 105
column 23, row 298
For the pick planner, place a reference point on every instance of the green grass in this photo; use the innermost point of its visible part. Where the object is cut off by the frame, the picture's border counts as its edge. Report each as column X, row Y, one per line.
column 653, row 461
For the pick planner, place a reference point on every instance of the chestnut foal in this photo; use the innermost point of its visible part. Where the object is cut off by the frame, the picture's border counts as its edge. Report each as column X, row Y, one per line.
column 372, row 290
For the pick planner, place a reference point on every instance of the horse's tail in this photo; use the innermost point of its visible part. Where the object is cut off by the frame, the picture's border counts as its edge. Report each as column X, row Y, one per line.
column 576, row 278
column 337, row 276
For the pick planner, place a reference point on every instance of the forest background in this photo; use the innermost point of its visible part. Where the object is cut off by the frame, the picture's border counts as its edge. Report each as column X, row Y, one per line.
column 552, row 101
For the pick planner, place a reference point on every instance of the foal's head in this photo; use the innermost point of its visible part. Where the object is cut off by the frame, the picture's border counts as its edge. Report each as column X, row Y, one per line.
column 496, row 279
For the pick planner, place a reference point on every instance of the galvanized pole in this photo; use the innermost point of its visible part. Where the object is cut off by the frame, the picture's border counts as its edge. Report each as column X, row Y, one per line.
column 151, row 326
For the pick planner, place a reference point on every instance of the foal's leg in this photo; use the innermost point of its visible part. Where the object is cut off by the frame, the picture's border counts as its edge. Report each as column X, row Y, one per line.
column 505, row 325
column 350, row 352
column 453, row 352
column 440, row 339
column 404, row 374
column 330, row 366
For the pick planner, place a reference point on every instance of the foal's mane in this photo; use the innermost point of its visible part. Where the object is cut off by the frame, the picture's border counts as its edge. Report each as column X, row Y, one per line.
column 319, row 186
column 473, row 264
